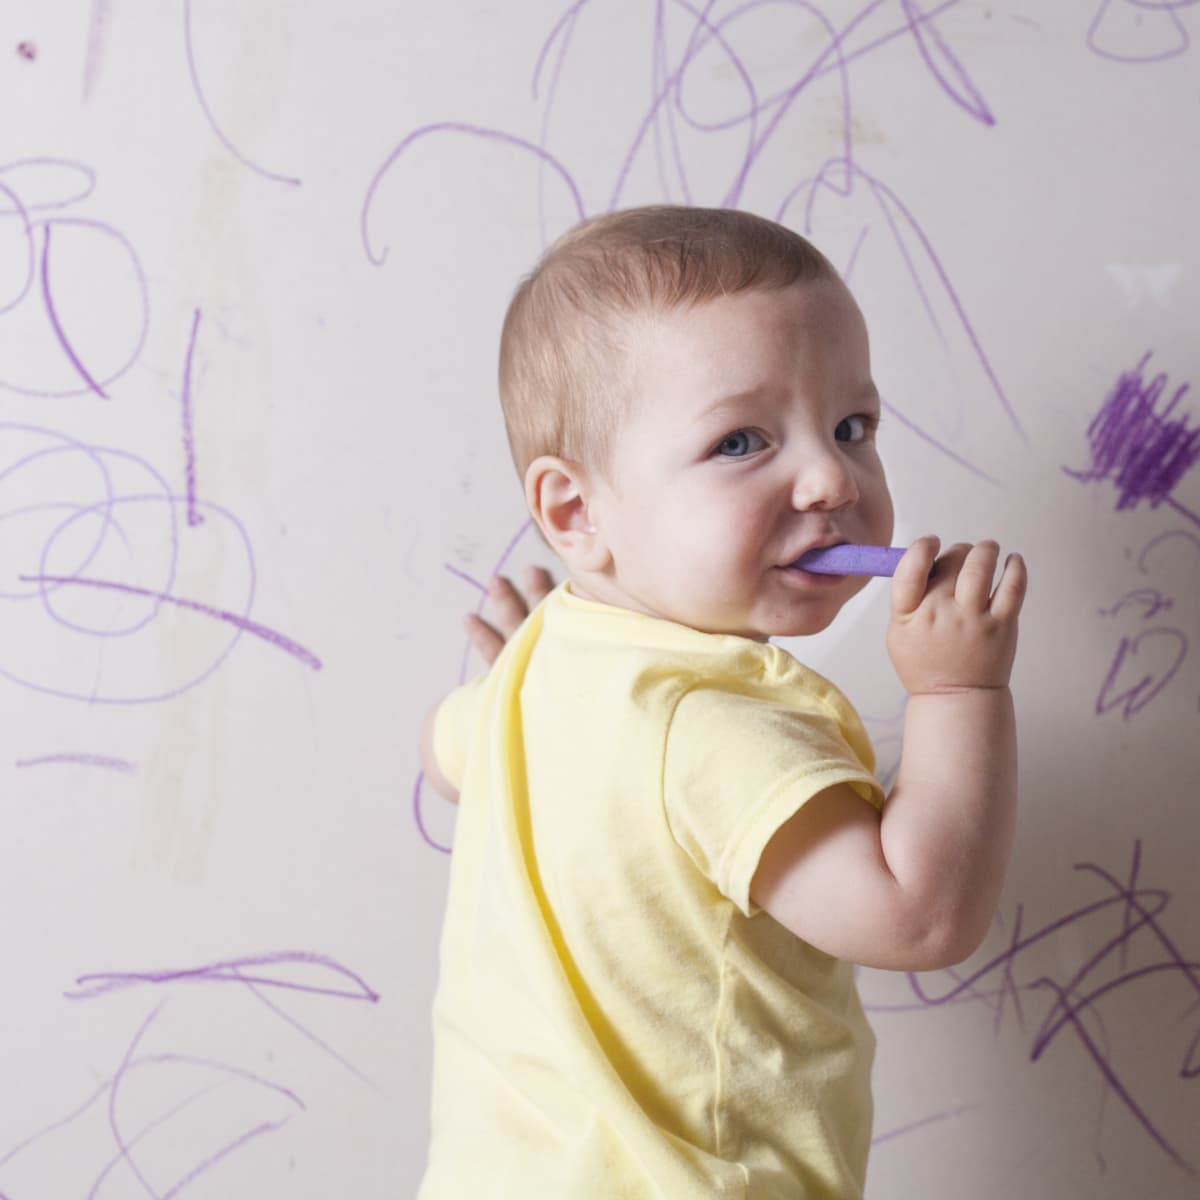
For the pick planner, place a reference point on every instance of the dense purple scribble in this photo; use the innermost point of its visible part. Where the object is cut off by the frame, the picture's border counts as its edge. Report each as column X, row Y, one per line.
column 1125, row 919
column 1143, row 448
column 202, row 100
column 240, row 622
column 194, row 517
column 1171, row 36
column 105, row 761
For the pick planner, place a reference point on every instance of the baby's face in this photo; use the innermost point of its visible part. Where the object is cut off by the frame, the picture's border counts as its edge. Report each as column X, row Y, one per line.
column 750, row 439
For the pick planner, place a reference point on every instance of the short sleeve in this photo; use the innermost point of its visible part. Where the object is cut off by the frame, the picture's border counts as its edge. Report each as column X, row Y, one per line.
column 453, row 727
column 738, row 766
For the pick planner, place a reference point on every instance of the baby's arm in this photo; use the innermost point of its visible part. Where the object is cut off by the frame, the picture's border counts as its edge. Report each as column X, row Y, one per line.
column 511, row 608
column 916, row 887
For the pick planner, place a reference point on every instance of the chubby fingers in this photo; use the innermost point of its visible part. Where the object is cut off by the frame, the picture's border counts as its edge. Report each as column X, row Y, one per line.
column 911, row 578
column 1010, row 591
column 964, row 573
column 973, row 587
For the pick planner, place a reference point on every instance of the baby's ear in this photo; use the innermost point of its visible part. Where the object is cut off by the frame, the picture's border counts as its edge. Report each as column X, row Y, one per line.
column 557, row 491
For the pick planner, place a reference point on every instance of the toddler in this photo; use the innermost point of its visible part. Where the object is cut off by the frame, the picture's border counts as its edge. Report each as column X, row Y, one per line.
column 671, row 847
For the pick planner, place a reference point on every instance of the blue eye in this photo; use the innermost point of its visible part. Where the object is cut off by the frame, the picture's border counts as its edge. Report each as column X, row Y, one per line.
column 739, row 444
column 854, row 429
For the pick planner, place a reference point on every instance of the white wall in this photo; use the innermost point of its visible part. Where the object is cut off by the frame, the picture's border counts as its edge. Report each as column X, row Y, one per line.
column 253, row 259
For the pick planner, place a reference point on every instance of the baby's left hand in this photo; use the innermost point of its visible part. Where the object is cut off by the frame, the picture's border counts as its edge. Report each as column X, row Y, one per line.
column 949, row 629
column 511, row 608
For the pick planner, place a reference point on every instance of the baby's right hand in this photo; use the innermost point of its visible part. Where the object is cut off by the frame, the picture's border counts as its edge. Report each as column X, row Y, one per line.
column 949, row 629
column 511, row 609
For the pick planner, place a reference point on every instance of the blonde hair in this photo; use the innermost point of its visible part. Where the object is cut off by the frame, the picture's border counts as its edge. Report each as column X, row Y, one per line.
column 565, row 366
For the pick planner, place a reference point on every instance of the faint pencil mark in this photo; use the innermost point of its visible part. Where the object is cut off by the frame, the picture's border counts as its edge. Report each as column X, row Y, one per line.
column 104, row 761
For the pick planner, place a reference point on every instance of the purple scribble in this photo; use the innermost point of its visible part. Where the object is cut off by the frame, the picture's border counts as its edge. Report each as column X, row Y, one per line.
column 27, row 51
column 294, row 972
column 102, row 514
column 104, row 761
column 921, row 1123
column 1131, row 698
column 59, row 333
column 20, row 183
column 1167, row 38
column 459, row 573
column 263, row 971
column 194, row 517
column 1125, row 919
column 418, row 801
column 1149, row 656
column 758, row 124
column 1143, row 449
column 222, row 137
column 240, row 622
column 172, row 1071
column 379, row 257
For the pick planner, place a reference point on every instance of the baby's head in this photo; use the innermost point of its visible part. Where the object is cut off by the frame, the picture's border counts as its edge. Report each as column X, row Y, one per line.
column 567, row 364
column 675, row 383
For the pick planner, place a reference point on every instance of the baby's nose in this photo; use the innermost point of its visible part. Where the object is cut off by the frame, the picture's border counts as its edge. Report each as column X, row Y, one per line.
column 825, row 481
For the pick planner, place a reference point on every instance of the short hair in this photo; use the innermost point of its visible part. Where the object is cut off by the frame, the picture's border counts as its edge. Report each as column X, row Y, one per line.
column 565, row 370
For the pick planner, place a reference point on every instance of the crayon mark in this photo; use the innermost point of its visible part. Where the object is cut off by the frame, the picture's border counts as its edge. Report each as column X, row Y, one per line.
column 668, row 131
column 194, row 1110
column 1150, row 656
column 1124, row 921
column 1136, row 32
column 85, row 760
column 85, row 374
column 194, row 517
column 175, row 1123
column 921, row 1123
column 240, row 622
column 1142, row 449
column 32, row 186
column 205, row 108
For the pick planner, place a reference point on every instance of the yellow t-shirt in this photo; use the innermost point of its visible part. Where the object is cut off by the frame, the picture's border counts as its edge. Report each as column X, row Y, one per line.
column 614, row 1017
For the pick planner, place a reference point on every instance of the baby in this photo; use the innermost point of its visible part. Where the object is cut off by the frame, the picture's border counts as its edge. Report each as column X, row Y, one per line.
column 671, row 847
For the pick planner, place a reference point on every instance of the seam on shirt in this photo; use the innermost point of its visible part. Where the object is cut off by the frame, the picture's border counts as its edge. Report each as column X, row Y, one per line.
column 717, row 1043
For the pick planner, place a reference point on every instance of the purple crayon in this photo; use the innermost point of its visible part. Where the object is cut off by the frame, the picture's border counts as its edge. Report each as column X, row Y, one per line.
column 848, row 559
